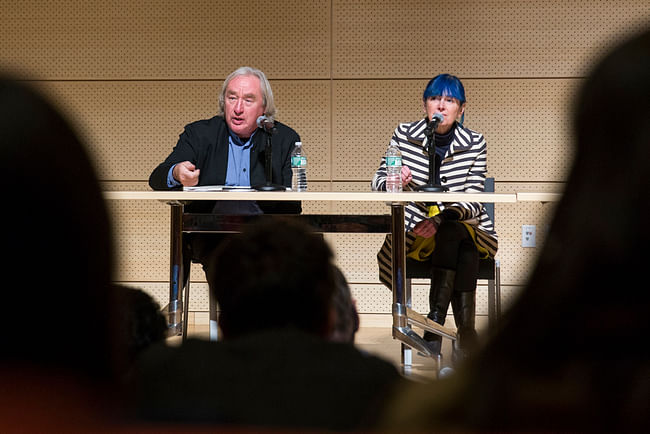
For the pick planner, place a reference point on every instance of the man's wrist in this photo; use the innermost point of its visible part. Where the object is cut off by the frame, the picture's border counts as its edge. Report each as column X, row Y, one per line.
column 171, row 181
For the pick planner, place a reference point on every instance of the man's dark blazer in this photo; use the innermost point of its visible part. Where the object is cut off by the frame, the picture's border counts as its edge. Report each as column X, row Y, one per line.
column 205, row 144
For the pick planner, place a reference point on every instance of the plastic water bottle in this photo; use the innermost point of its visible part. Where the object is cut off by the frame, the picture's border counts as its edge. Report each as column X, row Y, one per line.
column 393, row 169
column 299, row 168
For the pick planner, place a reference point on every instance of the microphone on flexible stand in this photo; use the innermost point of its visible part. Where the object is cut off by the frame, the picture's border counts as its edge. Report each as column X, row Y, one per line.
column 430, row 149
column 433, row 124
column 266, row 124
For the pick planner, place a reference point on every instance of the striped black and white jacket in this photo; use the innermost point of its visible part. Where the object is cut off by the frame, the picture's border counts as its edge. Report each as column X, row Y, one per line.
column 462, row 169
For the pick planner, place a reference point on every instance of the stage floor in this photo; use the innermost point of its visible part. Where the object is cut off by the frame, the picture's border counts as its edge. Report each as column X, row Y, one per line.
column 374, row 336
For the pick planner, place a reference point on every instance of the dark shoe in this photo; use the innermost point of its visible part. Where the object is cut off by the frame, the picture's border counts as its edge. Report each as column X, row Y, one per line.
column 442, row 288
column 463, row 305
column 434, row 342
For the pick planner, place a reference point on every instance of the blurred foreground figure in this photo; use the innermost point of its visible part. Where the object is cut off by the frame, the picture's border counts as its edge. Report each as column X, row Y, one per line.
column 60, row 355
column 572, row 353
column 280, row 364
column 346, row 325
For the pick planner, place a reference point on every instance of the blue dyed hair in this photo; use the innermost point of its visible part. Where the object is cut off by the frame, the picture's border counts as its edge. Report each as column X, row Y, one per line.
column 445, row 85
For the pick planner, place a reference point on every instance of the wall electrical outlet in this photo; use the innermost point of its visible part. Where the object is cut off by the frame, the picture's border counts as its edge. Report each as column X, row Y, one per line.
column 528, row 233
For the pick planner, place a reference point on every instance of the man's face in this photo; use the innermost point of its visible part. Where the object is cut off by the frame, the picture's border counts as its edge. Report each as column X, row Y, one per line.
column 243, row 105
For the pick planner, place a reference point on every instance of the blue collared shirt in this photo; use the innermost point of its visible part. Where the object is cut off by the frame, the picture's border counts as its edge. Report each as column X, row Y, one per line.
column 239, row 162
column 237, row 174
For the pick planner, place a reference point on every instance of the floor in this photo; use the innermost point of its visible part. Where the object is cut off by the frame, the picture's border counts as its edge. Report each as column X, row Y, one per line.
column 374, row 336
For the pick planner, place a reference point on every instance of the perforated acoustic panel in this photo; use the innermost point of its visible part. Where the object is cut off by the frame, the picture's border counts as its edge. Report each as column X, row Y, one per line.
column 141, row 236
column 130, row 127
column 199, row 297
column 551, row 38
column 165, row 39
column 516, row 261
column 131, row 74
column 526, row 123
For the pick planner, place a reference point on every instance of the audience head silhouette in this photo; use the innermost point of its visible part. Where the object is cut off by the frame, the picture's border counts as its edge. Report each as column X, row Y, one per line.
column 58, row 240
column 346, row 322
column 571, row 353
column 278, row 365
column 141, row 320
column 276, row 274
column 595, row 254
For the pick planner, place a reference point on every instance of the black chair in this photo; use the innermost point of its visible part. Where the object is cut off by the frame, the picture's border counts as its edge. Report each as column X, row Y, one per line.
column 489, row 269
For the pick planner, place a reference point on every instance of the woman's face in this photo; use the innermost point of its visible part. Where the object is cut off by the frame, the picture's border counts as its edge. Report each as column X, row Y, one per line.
column 449, row 107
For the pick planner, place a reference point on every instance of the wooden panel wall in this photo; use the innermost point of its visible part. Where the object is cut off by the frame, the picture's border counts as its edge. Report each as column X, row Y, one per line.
column 130, row 74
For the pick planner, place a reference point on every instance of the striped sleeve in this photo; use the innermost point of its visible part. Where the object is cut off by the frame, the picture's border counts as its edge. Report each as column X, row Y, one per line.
column 460, row 178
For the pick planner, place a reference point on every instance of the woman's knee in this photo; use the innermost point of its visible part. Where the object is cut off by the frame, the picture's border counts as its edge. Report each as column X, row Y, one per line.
column 451, row 231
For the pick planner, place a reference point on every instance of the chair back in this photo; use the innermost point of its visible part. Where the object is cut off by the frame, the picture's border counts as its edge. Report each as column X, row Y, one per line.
column 489, row 188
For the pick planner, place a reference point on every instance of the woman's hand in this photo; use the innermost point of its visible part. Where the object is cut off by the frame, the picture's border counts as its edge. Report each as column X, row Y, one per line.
column 406, row 175
column 426, row 229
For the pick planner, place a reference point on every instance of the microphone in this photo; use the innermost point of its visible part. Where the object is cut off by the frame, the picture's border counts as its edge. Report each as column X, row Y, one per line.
column 429, row 146
column 435, row 120
column 265, row 123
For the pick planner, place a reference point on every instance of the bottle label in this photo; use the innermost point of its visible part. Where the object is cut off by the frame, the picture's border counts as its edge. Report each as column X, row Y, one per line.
column 394, row 161
column 298, row 161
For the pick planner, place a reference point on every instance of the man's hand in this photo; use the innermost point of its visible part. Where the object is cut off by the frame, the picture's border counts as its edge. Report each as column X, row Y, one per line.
column 425, row 229
column 186, row 173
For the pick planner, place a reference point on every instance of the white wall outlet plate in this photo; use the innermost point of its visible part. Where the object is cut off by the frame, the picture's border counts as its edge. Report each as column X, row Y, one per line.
column 528, row 233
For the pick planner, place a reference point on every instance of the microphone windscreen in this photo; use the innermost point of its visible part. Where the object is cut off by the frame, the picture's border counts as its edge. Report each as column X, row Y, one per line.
column 438, row 117
column 260, row 121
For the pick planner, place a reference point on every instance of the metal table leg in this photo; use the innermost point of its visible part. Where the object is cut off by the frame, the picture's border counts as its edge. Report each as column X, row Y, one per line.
column 491, row 305
column 176, row 276
column 497, row 295
column 401, row 329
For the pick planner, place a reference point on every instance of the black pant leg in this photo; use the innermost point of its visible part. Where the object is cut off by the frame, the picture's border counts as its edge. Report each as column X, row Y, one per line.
column 455, row 250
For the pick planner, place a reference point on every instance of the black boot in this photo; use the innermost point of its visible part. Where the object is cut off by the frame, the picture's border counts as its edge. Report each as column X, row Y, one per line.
column 442, row 287
column 463, row 303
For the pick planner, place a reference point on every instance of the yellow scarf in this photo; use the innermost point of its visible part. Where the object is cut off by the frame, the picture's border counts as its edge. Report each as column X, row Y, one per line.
column 422, row 248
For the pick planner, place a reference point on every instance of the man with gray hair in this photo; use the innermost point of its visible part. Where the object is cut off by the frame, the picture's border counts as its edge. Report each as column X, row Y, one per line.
column 229, row 149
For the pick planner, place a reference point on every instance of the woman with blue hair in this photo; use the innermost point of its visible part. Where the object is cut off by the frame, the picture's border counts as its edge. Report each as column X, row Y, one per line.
column 451, row 237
